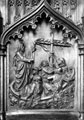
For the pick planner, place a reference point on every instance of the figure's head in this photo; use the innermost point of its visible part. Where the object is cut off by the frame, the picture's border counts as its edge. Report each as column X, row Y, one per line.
column 61, row 62
column 37, row 79
column 21, row 48
column 44, row 63
column 35, row 71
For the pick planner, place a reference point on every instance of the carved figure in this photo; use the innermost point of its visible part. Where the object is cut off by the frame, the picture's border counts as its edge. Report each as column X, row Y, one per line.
column 22, row 67
column 42, row 86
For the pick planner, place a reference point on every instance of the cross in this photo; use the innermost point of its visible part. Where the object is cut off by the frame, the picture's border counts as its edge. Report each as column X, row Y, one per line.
column 52, row 55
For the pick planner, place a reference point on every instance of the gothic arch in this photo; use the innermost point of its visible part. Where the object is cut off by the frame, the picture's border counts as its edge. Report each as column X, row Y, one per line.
column 33, row 14
column 31, row 19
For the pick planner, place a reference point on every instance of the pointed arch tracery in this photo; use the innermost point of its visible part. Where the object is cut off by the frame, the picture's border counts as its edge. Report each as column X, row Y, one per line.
column 31, row 19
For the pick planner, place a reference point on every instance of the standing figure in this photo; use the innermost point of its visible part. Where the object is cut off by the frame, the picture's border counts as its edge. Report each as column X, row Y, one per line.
column 22, row 67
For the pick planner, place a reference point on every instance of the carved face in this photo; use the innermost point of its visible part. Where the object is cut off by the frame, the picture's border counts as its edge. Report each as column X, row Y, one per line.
column 21, row 48
column 44, row 63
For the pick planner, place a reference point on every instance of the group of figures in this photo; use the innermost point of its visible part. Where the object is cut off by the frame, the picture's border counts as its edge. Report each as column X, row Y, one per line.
column 44, row 87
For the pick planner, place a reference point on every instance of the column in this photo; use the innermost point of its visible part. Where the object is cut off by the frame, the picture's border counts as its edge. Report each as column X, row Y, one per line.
column 3, row 81
column 1, row 24
column 81, row 81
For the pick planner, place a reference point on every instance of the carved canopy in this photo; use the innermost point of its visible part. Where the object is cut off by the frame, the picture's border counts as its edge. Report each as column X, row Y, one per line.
column 30, row 19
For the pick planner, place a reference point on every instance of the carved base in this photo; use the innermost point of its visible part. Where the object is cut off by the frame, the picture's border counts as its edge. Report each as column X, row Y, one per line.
column 43, row 117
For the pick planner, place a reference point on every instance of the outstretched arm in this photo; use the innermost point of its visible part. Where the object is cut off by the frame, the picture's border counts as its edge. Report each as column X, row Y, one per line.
column 24, row 59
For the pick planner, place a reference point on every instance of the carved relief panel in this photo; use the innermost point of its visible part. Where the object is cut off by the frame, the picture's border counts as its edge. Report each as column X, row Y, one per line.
column 42, row 67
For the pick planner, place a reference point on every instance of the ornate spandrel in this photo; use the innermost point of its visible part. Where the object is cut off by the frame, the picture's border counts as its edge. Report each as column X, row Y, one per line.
column 29, row 4
column 64, row 7
column 42, row 71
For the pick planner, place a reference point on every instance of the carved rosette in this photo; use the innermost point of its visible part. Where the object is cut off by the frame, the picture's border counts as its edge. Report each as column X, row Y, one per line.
column 65, row 2
column 27, row 2
column 11, row 3
column 34, row 2
column 19, row 2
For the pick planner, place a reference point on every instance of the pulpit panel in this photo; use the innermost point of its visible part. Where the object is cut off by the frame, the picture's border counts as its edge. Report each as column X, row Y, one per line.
column 42, row 69
column 42, row 66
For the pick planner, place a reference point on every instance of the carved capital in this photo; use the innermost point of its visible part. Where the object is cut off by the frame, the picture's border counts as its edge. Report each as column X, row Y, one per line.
column 81, row 48
column 2, row 50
